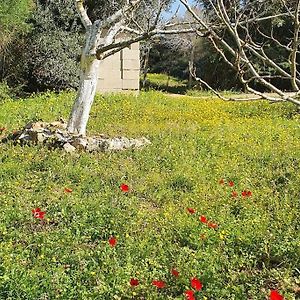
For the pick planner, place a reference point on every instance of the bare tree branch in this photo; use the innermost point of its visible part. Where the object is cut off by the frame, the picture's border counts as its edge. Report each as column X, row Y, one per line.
column 83, row 14
column 248, row 57
column 293, row 55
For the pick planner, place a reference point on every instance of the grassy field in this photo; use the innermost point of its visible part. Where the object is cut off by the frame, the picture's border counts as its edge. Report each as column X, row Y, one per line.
column 250, row 244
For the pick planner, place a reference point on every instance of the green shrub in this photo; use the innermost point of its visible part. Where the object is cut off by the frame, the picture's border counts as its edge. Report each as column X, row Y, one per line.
column 52, row 52
column 5, row 91
column 52, row 61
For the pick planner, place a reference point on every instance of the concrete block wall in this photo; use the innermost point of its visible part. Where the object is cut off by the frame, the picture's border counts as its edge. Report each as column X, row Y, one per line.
column 121, row 71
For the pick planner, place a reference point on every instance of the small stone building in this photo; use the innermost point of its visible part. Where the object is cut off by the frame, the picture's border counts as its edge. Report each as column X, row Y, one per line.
column 120, row 71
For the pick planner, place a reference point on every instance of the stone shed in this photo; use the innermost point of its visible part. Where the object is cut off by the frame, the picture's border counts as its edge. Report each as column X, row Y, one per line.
column 120, row 71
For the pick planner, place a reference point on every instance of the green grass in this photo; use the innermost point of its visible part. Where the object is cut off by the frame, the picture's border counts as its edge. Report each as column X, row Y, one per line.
column 195, row 143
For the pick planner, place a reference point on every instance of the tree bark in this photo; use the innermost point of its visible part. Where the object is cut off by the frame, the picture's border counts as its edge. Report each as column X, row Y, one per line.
column 191, row 66
column 87, row 89
column 145, row 67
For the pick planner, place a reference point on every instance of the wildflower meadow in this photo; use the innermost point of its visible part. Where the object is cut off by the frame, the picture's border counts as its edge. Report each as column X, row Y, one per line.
column 208, row 211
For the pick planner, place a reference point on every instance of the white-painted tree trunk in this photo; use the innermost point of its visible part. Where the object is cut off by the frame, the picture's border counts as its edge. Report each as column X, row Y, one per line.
column 85, row 97
column 87, row 88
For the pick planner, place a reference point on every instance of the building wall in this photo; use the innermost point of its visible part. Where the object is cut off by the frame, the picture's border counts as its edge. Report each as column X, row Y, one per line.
column 120, row 71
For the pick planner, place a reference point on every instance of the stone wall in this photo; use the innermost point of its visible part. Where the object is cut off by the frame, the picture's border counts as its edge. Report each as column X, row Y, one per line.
column 121, row 71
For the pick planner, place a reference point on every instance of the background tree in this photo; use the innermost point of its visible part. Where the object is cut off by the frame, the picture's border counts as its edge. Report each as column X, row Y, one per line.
column 185, row 44
column 247, row 35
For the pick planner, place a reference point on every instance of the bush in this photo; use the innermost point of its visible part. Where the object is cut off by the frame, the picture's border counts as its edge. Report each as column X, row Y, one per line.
column 53, row 47
column 52, row 61
column 5, row 91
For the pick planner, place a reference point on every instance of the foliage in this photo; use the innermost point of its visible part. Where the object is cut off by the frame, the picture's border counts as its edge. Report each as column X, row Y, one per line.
column 13, row 15
column 48, row 56
column 52, row 60
column 5, row 91
column 195, row 143
column 13, row 27
column 51, row 57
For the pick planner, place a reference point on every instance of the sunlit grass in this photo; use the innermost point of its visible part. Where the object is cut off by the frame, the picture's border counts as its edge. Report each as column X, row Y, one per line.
column 195, row 143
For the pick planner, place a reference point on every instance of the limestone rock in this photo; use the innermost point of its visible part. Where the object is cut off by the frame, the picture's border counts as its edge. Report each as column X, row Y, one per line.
column 69, row 148
column 80, row 143
column 55, row 135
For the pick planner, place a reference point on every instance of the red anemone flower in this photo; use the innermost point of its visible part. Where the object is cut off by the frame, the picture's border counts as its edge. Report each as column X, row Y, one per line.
column 124, row 188
column 203, row 219
column 190, row 295
column 38, row 214
column 134, row 282
column 231, row 183
column 175, row 272
column 234, row 194
column 274, row 295
column 159, row 284
column 246, row 193
column 191, row 210
column 112, row 241
column 68, row 190
column 196, row 284
column 221, row 181
column 212, row 225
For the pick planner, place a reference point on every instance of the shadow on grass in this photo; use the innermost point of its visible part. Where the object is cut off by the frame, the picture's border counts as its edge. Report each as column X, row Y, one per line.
column 179, row 89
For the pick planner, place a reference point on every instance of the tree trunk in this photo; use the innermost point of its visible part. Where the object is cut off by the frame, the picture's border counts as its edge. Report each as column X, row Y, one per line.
column 87, row 88
column 145, row 67
column 191, row 66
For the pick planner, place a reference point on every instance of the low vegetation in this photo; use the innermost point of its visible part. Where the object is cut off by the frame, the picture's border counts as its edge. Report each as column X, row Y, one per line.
column 215, row 197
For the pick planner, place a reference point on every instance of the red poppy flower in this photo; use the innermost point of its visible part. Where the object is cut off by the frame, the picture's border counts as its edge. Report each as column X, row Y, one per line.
column 274, row 295
column 231, row 183
column 68, row 190
column 212, row 225
column 124, row 188
column 246, row 193
column 221, row 181
column 175, row 272
column 191, row 210
column 234, row 194
column 38, row 214
column 196, row 284
column 134, row 282
column 203, row 219
column 112, row 241
column 190, row 295
column 159, row 284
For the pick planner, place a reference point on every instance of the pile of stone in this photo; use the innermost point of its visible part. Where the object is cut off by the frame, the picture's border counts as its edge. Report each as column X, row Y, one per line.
column 55, row 135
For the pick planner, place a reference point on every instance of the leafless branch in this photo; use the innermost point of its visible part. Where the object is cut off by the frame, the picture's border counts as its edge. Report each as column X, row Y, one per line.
column 249, row 57
column 83, row 14
column 295, row 45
